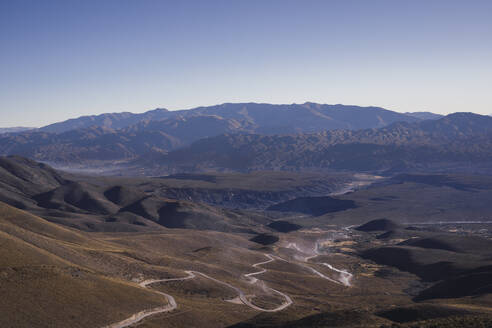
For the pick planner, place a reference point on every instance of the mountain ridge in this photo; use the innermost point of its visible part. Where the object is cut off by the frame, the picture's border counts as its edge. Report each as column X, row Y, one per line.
column 457, row 137
column 241, row 111
column 243, row 140
column 126, row 136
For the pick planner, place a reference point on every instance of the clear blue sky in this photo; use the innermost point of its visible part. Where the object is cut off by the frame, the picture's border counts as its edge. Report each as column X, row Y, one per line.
column 63, row 59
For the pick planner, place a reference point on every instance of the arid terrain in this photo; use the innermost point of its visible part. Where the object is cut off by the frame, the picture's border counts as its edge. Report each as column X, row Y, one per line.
column 225, row 250
column 245, row 164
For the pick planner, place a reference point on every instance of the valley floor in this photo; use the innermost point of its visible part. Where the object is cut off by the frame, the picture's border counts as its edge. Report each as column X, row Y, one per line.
column 409, row 251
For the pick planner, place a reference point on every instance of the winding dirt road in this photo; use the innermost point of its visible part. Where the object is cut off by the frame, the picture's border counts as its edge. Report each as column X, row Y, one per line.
column 344, row 278
column 172, row 305
column 146, row 313
column 244, row 299
column 249, row 275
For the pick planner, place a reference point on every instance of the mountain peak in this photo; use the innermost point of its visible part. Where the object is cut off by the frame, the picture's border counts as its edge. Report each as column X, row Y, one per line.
column 466, row 115
column 424, row 115
column 158, row 109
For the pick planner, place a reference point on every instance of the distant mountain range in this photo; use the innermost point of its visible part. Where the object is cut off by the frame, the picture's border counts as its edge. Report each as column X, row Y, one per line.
column 460, row 139
column 260, row 118
column 251, row 136
column 109, row 120
column 126, row 136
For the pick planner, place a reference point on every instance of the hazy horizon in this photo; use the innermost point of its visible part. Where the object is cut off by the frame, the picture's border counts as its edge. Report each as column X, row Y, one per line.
column 66, row 59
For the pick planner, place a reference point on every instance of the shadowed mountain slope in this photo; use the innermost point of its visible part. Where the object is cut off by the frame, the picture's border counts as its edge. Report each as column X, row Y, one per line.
column 284, row 226
column 123, row 196
column 103, row 206
column 20, row 179
column 313, row 205
column 378, row 225
column 454, row 243
column 75, row 195
column 461, row 265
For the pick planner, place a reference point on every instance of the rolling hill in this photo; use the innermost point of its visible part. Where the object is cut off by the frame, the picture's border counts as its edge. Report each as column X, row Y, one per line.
column 45, row 267
column 101, row 205
column 461, row 265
